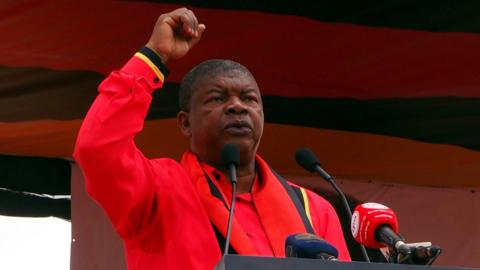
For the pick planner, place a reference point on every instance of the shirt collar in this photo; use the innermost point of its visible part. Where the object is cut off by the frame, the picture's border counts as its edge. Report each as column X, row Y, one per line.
column 222, row 180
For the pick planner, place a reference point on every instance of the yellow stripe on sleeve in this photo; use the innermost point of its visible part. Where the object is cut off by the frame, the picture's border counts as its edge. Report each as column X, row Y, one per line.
column 151, row 65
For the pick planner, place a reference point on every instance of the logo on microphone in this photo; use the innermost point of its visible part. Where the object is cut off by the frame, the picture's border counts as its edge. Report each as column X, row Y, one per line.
column 372, row 205
column 355, row 224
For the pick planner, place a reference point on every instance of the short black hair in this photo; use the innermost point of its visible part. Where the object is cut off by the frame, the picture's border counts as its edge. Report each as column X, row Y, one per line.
column 209, row 68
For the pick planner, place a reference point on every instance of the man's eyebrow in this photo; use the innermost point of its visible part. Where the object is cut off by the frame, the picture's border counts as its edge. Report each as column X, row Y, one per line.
column 216, row 90
column 248, row 91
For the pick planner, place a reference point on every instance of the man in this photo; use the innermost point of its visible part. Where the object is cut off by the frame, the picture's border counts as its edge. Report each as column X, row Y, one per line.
column 174, row 215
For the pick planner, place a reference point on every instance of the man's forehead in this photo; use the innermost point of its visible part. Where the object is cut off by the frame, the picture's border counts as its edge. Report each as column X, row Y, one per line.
column 235, row 78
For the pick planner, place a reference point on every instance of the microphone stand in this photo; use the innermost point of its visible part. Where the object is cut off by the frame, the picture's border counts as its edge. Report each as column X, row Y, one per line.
column 233, row 177
column 329, row 179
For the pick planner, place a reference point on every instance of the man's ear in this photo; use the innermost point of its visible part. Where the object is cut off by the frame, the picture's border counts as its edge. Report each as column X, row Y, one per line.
column 184, row 123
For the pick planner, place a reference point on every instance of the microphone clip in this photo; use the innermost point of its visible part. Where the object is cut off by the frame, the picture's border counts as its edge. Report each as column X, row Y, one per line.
column 422, row 253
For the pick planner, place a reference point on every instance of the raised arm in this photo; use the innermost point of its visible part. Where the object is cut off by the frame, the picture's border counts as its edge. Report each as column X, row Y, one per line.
column 118, row 176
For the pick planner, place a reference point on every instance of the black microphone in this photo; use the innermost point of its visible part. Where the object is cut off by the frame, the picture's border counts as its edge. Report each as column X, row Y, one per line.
column 231, row 159
column 307, row 159
column 385, row 234
column 309, row 246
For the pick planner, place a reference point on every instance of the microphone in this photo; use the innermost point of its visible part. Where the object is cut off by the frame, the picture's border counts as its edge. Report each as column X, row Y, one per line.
column 375, row 225
column 307, row 159
column 231, row 159
column 310, row 246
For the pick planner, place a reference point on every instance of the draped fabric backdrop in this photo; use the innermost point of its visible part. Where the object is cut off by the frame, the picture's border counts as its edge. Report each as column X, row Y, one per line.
column 387, row 94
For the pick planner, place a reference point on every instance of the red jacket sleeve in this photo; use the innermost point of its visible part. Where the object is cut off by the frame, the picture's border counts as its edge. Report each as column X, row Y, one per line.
column 152, row 203
column 117, row 174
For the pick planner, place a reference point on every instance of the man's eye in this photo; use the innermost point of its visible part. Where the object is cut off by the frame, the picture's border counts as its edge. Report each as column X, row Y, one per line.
column 251, row 98
column 217, row 99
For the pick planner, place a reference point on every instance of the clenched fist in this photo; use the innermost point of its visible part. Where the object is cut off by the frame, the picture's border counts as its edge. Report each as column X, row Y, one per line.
column 175, row 33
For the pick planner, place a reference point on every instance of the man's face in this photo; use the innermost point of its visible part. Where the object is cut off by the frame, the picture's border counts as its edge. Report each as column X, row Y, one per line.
column 226, row 108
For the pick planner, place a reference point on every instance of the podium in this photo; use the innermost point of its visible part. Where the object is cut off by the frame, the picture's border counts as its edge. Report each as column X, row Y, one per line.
column 235, row 262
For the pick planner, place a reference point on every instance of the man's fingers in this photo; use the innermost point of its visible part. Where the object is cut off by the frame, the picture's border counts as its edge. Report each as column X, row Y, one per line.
column 195, row 40
column 201, row 29
column 193, row 20
column 186, row 29
column 189, row 24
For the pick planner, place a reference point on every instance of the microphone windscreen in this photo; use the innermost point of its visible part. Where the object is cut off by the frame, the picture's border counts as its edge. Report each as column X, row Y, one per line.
column 367, row 218
column 307, row 245
column 307, row 159
column 230, row 155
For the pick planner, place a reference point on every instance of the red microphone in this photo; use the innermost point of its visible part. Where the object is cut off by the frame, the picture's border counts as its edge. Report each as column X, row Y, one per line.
column 375, row 226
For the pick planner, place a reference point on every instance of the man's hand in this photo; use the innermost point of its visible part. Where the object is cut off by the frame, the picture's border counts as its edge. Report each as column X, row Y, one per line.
column 175, row 33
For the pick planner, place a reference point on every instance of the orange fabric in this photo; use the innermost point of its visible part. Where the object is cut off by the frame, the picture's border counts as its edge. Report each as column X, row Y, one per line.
column 268, row 196
column 215, row 209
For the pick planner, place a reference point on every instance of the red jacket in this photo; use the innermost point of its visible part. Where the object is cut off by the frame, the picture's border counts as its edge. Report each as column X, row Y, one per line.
column 162, row 221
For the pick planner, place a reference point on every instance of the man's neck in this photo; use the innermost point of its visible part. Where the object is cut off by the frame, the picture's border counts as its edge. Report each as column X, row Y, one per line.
column 245, row 177
column 245, row 172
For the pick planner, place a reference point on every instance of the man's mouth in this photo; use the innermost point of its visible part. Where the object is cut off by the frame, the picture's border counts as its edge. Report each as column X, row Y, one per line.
column 238, row 128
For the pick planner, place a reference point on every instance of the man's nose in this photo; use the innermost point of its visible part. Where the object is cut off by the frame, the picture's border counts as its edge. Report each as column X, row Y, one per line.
column 236, row 105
